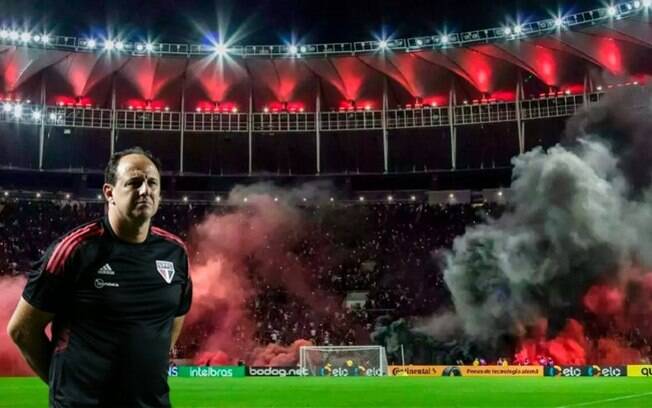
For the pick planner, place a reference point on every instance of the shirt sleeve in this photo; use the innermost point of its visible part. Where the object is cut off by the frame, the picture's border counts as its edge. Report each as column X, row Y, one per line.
column 47, row 289
column 186, row 294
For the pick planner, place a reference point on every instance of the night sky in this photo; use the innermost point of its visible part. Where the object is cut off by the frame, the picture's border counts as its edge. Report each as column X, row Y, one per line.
column 274, row 21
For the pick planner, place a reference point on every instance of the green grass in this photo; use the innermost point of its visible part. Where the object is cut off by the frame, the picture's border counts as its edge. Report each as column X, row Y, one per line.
column 361, row 392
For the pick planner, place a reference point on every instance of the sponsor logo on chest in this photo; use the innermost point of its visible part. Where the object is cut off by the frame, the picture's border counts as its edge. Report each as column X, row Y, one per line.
column 166, row 270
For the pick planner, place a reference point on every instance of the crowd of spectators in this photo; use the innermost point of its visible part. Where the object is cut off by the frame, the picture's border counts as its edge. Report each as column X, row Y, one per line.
column 389, row 252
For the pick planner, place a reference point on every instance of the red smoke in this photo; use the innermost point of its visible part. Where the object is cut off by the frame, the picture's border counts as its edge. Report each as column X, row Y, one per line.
column 617, row 319
column 234, row 256
column 11, row 362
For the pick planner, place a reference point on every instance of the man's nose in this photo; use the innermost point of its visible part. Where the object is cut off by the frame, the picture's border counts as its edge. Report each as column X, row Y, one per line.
column 144, row 188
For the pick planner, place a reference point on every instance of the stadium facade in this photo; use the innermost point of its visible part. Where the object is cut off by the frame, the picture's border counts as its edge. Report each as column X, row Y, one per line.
column 454, row 101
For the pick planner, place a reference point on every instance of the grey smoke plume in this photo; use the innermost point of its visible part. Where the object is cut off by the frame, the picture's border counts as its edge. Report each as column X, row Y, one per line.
column 580, row 214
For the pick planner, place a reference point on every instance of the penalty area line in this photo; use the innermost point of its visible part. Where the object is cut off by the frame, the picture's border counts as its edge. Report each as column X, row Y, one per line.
column 586, row 404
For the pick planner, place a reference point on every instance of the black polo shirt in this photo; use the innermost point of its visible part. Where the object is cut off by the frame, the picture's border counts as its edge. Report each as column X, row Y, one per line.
column 114, row 304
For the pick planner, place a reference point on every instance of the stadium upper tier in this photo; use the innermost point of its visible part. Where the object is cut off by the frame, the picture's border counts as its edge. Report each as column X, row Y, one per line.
column 573, row 55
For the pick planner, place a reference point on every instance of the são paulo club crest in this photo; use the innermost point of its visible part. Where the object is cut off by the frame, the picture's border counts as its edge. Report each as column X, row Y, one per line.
column 166, row 270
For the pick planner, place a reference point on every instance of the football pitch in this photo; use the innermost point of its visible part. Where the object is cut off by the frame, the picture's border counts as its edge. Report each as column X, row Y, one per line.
column 378, row 392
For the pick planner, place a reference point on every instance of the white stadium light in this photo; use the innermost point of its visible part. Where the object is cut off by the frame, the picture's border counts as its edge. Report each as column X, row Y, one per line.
column 612, row 11
column 444, row 39
column 218, row 199
column 390, row 198
column 18, row 111
column 413, row 198
column 361, row 198
column 45, row 38
column 7, row 107
column 109, row 45
column 13, row 35
column 303, row 49
column 37, row 38
column 518, row 29
column 507, row 31
column 221, row 49
column 293, row 49
column 25, row 37
column 140, row 47
column 559, row 22
column 149, row 47
column 91, row 43
column 52, row 116
column 647, row 3
column 4, row 34
column 382, row 44
column 36, row 115
column 637, row 4
column 119, row 45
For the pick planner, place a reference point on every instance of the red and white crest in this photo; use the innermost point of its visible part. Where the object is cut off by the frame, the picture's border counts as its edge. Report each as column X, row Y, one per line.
column 166, row 270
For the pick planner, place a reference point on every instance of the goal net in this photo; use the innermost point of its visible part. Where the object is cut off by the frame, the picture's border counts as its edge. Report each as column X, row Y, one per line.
column 342, row 361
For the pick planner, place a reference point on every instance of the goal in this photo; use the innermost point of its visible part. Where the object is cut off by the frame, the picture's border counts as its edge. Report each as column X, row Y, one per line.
column 343, row 361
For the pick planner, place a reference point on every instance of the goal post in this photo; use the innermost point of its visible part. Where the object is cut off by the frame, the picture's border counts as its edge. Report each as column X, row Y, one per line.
column 343, row 361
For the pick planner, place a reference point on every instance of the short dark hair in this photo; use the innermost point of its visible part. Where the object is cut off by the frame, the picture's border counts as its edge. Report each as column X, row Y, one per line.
column 112, row 166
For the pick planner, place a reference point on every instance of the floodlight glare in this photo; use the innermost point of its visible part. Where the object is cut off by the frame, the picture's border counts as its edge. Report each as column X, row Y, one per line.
column 220, row 49
column 26, row 37
column 293, row 49
column 91, row 43
column 45, row 38
column 303, row 49
column 140, row 47
column 611, row 11
column 119, row 45
column 36, row 115
column 149, row 47
column 382, row 44
column 37, row 38
column 559, row 22
column 4, row 34
column 507, row 31
column 13, row 35
column 52, row 116
column 637, row 4
column 518, row 29
column 419, row 42
column 18, row 111
column 109, row 45
column 7, row 107
column 444, row 39
column 647, row 3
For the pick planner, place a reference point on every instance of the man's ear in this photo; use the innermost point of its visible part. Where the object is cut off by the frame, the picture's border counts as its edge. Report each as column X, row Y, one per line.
column 107, row 190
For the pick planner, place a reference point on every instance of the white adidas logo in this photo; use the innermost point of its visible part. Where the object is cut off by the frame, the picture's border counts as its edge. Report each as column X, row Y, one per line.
column 105, row 270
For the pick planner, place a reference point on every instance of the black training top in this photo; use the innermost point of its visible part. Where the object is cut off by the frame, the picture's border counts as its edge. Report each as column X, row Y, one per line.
column 114, row 304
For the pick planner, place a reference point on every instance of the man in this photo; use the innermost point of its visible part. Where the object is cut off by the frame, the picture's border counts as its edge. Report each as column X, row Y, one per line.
column 115, row 290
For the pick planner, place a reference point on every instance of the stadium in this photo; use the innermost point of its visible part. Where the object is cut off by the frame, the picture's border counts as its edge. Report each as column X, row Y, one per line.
column 455, row 218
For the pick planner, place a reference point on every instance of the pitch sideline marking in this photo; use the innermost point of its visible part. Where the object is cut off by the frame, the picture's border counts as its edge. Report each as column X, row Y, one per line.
column 584, row 404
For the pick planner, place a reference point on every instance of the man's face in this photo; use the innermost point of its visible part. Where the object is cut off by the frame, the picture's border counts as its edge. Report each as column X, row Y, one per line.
column 137, row 190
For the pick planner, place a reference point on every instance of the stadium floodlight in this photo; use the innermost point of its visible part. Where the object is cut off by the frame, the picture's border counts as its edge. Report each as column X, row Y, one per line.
column 67, row 196
column 149, row 47
column 612, row 11
column 13, row 35
column 419, row 42
column 52, row 116
column 119, row 45
column 109, row 45
column 332, row 199
column 303, row 49
column 38, row 195
column 413, row 198
column 18, row 111
column 36, row 115
column 293, row 49
column 140, row 47
column 7, row 107
column 25, row 37
column 599, row 88
column 500, row 193
column 221, row 49
column 37, row 38
column 637, row 4
column 382, row 44
column 559, row 22
column 99, row 196
column 390, row 198
column 507, row 31
column 6, row 193
column 444, row 39
column 4, row 34
column 451, row 196
column 91, row 44
column 245, row 199
column 647, row 3
column 185, row 199
column 361, row 198
column 45, row 38
column 218, row 199
column 518, row 29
